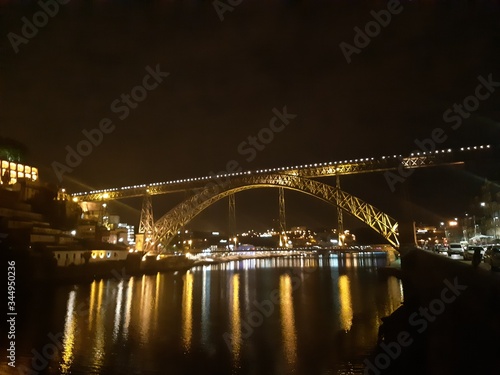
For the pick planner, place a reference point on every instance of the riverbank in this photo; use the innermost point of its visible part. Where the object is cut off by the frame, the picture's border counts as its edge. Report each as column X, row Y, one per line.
column 447, row 323
column 38, row 269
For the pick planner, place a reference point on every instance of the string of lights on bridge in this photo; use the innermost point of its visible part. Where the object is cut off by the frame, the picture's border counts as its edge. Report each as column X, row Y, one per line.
column 279, row 169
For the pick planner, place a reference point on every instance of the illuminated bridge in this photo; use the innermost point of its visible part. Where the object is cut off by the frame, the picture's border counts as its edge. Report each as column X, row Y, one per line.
column 206, row 190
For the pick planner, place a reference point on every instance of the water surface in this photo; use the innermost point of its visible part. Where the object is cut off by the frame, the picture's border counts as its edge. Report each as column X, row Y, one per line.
column 299, row 315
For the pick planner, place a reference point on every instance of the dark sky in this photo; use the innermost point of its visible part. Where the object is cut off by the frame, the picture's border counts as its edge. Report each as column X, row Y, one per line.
column 227, row 76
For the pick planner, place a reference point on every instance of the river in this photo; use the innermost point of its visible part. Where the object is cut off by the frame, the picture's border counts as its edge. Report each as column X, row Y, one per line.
column 316, row 314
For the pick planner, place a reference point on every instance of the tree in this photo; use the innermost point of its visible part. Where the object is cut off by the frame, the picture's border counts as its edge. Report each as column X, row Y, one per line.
column 12, row 150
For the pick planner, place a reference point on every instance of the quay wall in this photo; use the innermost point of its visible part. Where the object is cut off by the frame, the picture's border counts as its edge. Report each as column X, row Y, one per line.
column 451, row 312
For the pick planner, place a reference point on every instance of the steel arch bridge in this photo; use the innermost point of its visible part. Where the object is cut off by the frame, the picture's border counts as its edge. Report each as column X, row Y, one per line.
column 167, row 227
column 299, row 178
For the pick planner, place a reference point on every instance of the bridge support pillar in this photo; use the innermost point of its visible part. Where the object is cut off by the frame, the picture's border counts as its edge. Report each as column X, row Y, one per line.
column 146, row 225
column 340, row 216
column 232, row 216
column 283, row 236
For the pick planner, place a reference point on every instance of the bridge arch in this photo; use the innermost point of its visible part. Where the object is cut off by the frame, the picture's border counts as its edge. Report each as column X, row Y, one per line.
column 168, row 225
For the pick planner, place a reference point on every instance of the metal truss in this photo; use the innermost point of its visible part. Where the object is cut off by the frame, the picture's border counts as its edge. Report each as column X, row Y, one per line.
column 147, row 223
column 169, row 224
column 316, row 170
column 372, row 165
column 340, row 217
column 283, row 237
column 232, row 215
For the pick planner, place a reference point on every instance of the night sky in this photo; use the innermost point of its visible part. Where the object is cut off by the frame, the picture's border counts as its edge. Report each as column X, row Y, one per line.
column 225, row 78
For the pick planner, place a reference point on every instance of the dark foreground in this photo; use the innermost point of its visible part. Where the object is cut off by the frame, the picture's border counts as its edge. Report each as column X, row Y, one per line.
column 449, row 322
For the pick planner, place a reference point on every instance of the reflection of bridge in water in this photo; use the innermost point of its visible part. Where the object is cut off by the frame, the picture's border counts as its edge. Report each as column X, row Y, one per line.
column 375, row 256
column 205, row 191
column 215, row 310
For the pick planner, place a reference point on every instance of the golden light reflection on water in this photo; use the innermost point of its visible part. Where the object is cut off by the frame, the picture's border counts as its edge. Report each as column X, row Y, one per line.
column 99, row 295
column 395, row 295
column 187, row 311
column 157, row 301
column 346, row 313
column 147, row 307
column 393, row 301
column 69, row 334
column 100, row 332
column 235, row 318
column 288, row 319
column 141, row 308
column 92, row 303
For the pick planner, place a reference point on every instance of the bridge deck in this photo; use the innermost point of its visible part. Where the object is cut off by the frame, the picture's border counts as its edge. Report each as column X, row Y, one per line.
column 316, row 170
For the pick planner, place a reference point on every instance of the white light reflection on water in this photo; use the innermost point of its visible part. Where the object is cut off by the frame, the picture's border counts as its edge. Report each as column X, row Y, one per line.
column 205, row 305
column 118, row 311
column 128, row 308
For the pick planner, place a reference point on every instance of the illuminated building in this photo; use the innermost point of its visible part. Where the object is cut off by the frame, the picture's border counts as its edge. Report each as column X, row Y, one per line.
column 12, row 172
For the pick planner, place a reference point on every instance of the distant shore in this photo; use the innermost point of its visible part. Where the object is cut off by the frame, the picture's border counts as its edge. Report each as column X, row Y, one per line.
column 34, row 269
